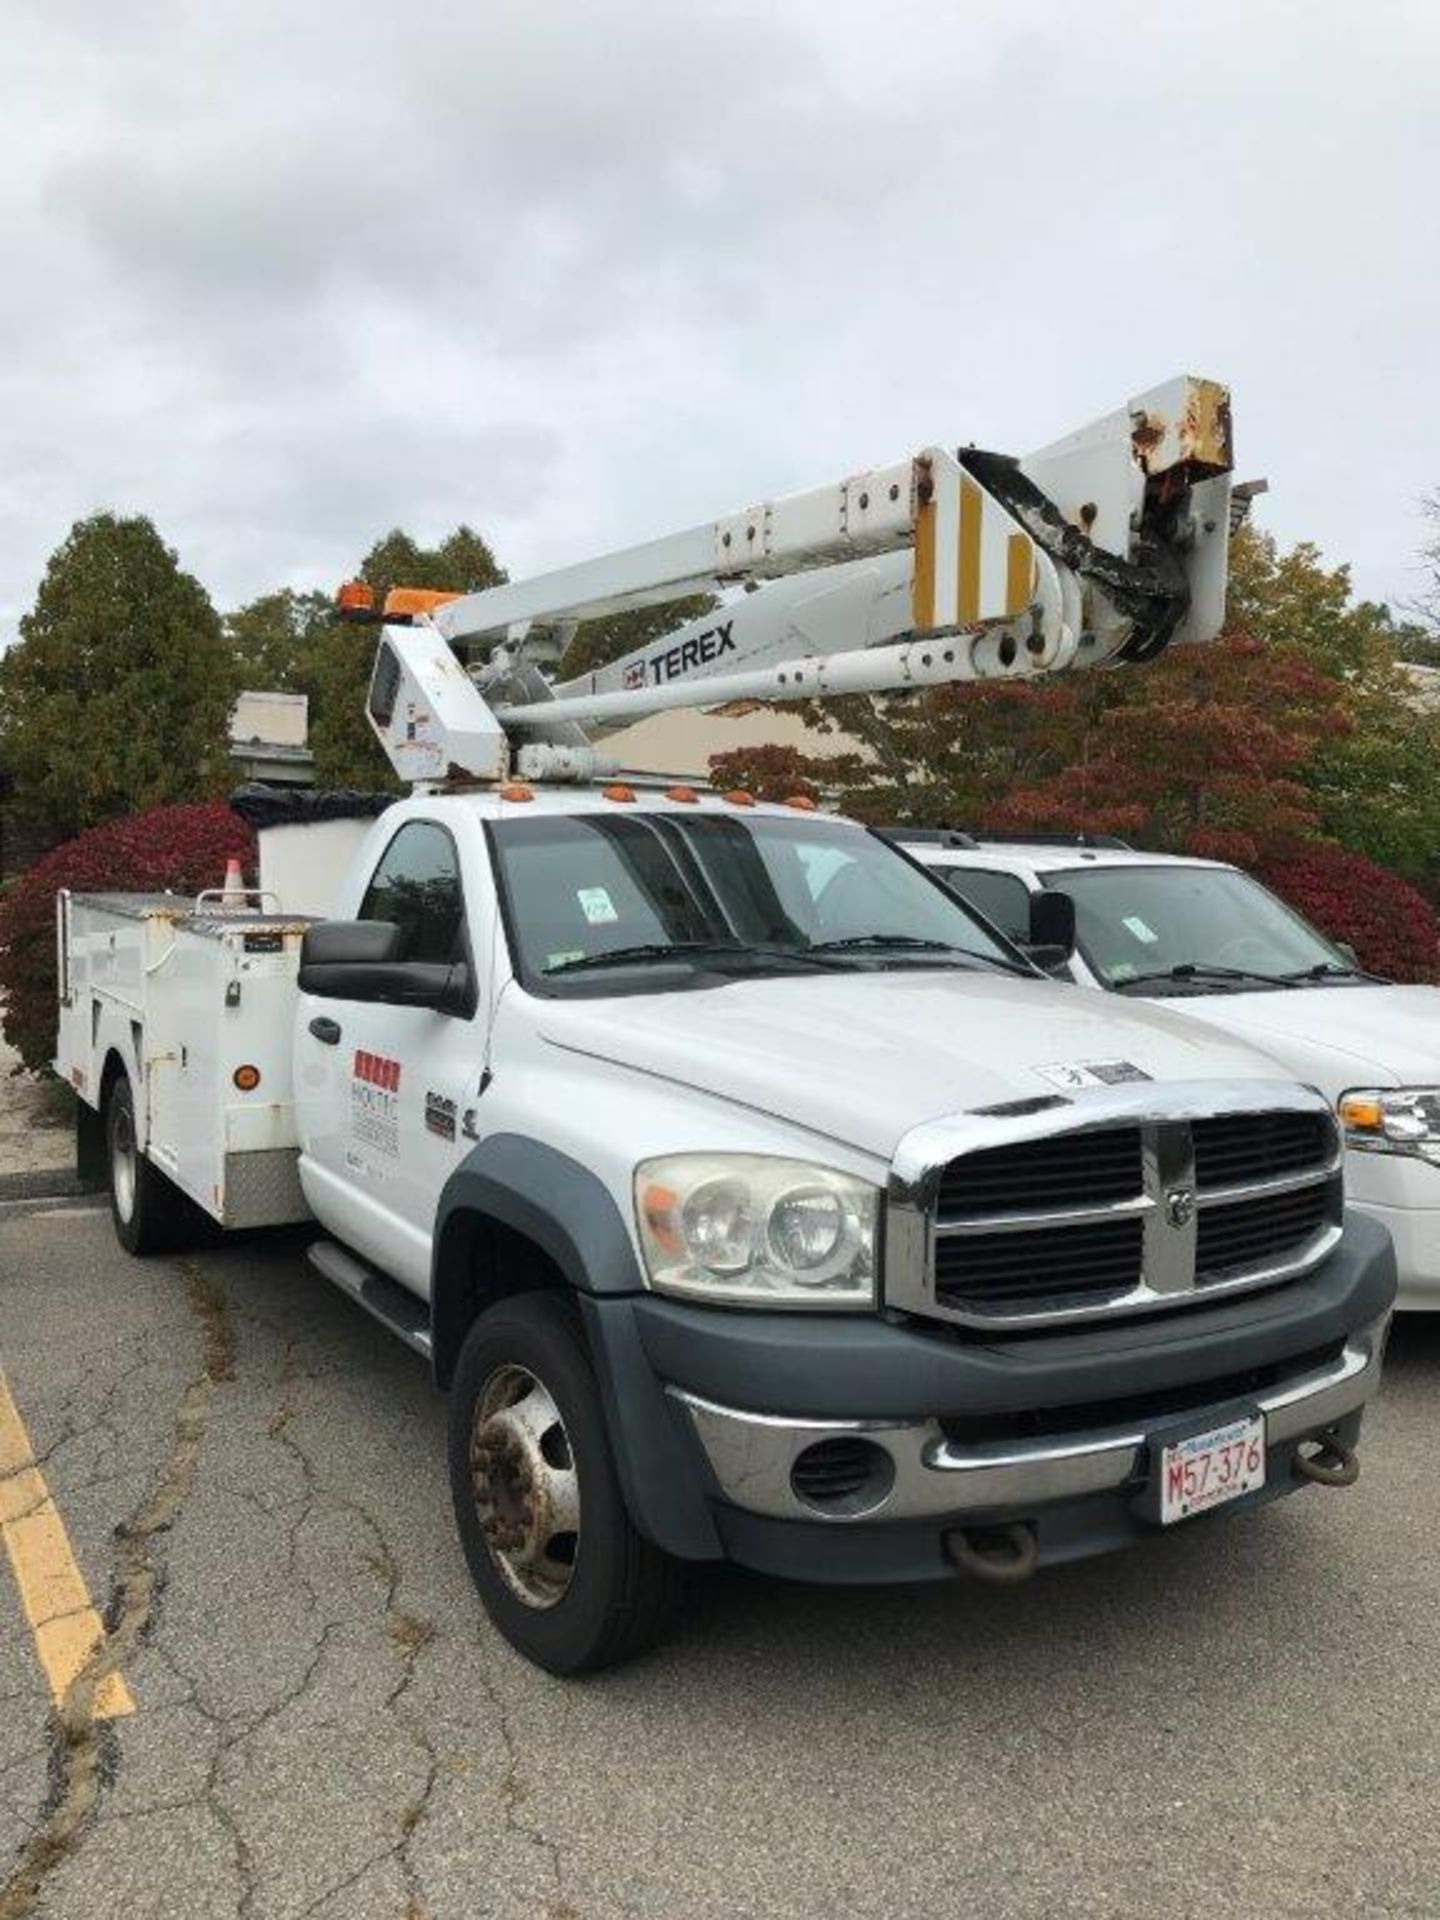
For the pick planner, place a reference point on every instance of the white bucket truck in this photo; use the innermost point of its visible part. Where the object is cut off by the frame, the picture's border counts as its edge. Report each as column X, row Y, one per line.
column 748, row 1195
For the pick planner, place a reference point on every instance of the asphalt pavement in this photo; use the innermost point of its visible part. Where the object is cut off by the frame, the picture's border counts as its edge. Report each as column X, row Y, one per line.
column 1235, row 1719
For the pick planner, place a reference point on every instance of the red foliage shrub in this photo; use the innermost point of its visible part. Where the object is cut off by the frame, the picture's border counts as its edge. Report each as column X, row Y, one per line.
column 182, row 849
column 1392, row 928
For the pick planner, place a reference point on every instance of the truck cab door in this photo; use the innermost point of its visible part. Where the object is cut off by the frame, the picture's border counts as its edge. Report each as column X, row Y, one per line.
column 382, row 1091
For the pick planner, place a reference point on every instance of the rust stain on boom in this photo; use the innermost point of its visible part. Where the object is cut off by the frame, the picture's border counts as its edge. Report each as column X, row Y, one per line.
column 1198, row 439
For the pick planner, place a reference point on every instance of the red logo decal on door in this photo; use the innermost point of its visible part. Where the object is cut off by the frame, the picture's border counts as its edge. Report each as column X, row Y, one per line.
column 376, row 1071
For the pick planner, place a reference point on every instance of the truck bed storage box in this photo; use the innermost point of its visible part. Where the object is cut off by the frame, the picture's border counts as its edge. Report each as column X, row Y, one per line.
column 198, row 1003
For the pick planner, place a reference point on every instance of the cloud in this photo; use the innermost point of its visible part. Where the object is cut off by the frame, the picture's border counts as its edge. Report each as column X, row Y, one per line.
column 283, row 276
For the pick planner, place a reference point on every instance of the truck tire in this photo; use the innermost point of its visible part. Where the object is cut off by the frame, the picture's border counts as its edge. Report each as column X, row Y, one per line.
column 150, row 1215
column 551, row 1548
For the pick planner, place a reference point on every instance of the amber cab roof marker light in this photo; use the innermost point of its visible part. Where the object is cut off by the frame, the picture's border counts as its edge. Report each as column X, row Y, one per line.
column 405, row 603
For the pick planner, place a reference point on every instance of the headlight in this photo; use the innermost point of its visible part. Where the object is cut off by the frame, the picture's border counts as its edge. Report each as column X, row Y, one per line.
column 754, row 1231
column 1399, row 1120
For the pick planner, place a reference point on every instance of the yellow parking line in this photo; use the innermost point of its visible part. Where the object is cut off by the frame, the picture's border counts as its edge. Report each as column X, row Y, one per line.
column 57, row 1604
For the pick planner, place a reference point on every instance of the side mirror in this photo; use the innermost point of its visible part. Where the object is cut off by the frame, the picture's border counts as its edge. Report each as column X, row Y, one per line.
column 357, row 960
column 1051, row 941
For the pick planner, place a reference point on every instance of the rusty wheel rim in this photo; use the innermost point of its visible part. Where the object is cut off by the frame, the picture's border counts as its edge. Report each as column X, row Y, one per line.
column 527, row 1495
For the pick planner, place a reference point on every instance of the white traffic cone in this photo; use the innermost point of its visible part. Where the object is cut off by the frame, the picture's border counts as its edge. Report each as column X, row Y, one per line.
column 232, row 894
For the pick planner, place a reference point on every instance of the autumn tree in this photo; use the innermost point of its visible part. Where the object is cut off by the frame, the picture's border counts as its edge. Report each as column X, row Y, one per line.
column 117, row 695
column 1201, row 752
column 772, row 773
column 340, row 655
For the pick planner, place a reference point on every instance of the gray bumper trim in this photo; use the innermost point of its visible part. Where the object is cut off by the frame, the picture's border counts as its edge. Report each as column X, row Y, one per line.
column 751, row 1454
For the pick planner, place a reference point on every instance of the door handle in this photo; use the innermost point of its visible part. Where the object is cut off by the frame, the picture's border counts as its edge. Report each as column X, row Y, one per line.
column 326, row 1030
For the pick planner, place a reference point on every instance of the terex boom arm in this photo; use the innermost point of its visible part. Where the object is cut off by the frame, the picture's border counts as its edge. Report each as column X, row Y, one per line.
column 1102, row 548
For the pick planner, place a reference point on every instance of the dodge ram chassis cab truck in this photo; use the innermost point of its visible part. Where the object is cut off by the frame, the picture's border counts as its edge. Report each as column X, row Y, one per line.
column 750, row 1196
column 611, row 1103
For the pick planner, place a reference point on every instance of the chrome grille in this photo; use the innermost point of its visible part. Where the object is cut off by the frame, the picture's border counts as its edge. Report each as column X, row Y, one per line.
column 999, row 1270
column 1232, row 1149
column 1250, row 1233
column 1072, row 1170
column 1112, row 1205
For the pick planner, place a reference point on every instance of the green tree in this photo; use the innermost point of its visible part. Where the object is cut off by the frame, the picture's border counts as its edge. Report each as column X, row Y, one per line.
column 273, row 638
column 117, row 694
column 341, row 654
column 1376, row 782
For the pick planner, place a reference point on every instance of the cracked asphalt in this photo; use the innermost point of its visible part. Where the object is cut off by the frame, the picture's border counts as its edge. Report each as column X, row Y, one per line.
column 1240, row 1720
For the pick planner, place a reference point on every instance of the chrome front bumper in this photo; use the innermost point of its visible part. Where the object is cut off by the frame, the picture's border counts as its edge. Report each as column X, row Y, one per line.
column 752, row 1454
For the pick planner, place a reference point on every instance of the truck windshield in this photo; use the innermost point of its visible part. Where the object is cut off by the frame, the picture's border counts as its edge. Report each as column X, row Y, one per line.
column 1207, row 929
column 589, row 896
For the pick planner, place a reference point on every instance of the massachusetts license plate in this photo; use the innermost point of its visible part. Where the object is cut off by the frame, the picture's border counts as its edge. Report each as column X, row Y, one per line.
column 1204, row 1470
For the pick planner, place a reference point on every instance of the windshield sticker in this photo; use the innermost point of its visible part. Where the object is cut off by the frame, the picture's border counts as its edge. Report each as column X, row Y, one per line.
column 596, row 905
column 1092, row 1073
column 553, row 960
column 1138, row 927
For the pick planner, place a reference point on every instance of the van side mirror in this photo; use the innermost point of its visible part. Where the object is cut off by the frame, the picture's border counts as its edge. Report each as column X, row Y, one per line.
column 1051, row 941
column 357, row 960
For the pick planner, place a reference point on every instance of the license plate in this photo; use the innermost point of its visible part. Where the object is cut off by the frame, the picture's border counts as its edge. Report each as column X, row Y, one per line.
column 1204, row 1470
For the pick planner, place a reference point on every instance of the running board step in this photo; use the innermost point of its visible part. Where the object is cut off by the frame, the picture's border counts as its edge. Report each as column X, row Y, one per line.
column 390, row 1304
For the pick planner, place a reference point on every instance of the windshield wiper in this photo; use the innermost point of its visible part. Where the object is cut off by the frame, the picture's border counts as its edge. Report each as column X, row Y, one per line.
column 681, row 950
column 1204, row 970
column 910, row 943
column 1329, row 970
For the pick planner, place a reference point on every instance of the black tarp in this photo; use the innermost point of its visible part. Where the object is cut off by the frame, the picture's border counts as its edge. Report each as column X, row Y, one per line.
column 261, row 806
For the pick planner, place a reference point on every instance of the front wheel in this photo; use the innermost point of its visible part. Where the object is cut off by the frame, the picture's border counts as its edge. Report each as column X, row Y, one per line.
column 550, row 1545
column 150, row 1214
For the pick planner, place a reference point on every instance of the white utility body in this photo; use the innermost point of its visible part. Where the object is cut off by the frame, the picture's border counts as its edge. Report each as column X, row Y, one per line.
column 749, row 1195
column 1207, row 940
column 188, row 994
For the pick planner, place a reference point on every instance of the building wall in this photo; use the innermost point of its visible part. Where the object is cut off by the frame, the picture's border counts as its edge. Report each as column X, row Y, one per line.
column 277, row 719
column 683, row 741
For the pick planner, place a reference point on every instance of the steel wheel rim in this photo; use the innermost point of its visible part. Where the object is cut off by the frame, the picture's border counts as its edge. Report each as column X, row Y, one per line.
column 527, row 1495
column 122, row 1162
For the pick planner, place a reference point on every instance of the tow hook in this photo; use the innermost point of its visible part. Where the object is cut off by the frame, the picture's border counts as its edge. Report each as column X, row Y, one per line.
column 1001, row 1555
column 1332, row 1464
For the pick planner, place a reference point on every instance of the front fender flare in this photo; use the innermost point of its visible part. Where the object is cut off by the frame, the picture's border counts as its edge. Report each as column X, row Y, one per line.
column 567, row 1212
column 553, row 1201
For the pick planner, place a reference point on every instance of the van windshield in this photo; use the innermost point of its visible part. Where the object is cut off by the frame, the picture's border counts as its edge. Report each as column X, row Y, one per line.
column 641, row 901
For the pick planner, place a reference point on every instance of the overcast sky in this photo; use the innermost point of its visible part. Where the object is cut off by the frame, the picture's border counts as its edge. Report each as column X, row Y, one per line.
column 285, row 273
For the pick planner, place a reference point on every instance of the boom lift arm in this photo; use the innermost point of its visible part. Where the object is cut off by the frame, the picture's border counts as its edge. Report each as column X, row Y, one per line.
column 1101, row 549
